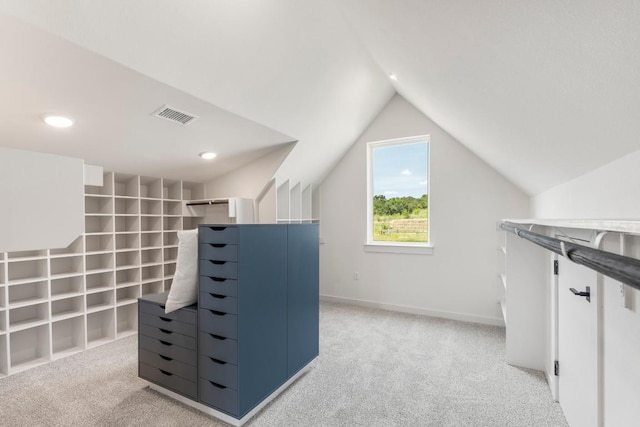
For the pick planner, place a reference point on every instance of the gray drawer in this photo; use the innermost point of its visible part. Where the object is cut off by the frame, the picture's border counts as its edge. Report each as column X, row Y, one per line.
column 218, row 234
column 218, row 251
column 218, row 347
column 219, row 372
column 168, row 380
column 218, row 396
column 218, row 302
column 222, row 269
column 168, row 324
column 167, row 364
column 220, row 286
column 167, row 349
column 168, row 336
column 219, row 323
column 182, row 315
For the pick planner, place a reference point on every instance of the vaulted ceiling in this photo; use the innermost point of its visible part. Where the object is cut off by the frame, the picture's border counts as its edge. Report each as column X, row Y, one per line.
column 543, row 91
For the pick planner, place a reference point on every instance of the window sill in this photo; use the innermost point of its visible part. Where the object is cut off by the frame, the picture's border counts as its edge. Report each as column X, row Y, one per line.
column 398, row 248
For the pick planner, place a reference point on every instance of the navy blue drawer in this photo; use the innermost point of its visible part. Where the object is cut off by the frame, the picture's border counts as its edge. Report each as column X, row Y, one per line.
column 223, row 269
column 168, row 380
column 223, row 373
column 167, row 364
column 218, row 347
column 220, row 286
column 219, row 234
column 182, row 315
column 218, row 252
column 168, row 324
column 218, row 302
column 168, row 336
column 167, row 349
column 219, row 323
column 218, row 396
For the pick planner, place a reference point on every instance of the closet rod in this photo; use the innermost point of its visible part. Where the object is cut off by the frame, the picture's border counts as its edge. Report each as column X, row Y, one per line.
column 208, row 202
column 618, row 267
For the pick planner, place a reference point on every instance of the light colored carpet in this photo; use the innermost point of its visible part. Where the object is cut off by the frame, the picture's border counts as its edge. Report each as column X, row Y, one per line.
column 376, row 368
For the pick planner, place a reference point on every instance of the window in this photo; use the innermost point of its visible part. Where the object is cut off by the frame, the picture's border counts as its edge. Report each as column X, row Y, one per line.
column 398, row 199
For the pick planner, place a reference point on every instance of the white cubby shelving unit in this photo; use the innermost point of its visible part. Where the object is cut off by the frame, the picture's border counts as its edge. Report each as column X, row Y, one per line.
column 57, row 302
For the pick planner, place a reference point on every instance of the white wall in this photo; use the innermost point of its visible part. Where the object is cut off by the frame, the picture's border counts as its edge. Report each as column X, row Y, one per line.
column 609, row 192
column 467, row 198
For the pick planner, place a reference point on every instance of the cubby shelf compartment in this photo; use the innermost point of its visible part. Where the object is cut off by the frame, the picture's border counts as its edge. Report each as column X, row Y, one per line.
column 29, row 348
column 98, row 224
column 100, row 327
column 150, row 257
column 151, row 223
column 127, row 320
column 170, row 254
column 99, row 281
column 128, row 224
column 127, row 241
column 75, row 248
column 126, row 206
column 99, row 244
column 152, row 288
column 27, row 271
column 128, row 277
column 4, row 361
column 99, row 262
column 170, row 238
column 67, row 266
column 169, row 269
column 127, row 259
column 28, row 316
column 151, row 273
column 67, row 287
column 125, row 185
column 172, row 190
column 150, row 187
column 127, row 295
column 105, row 190
column 98, row 205
column 171, row 223
column 100, row 301
column 67, row 337
column 172, row 208
column 151, row 240
column 26, row 255
column 2, row 270
column 27, row 294
column 150, row 207
column 66, row 308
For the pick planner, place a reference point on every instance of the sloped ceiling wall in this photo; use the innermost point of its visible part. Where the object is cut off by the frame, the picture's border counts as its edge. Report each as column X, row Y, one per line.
column 543, row 91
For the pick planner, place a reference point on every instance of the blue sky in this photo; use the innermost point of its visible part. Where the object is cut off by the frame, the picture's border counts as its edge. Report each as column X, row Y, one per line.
column 400, row 170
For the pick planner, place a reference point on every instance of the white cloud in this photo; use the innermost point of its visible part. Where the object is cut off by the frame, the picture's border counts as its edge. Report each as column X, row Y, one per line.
column 423, row 182
column 406, row 172
column 390, row 193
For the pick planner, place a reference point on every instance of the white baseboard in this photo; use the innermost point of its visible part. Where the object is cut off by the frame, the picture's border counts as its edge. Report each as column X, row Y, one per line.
column 494, row 321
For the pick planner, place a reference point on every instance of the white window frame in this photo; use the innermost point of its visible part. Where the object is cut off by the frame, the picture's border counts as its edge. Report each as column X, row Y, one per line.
column 397, row 247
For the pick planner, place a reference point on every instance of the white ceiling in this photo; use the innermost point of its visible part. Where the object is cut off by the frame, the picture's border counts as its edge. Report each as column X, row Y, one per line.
column 543, row 91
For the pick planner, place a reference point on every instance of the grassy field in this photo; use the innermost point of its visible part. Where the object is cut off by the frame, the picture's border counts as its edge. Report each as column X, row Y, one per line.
column 398, row 228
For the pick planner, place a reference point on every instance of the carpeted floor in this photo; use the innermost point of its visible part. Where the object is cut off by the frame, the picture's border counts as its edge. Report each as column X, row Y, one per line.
column 376, row 368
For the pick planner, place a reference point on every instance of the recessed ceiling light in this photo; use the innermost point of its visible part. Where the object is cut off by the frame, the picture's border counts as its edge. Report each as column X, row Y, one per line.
column 58, row 121
column 208, row 155
column 393, row 77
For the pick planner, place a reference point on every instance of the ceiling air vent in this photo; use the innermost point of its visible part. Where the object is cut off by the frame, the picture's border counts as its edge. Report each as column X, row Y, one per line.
column 169, row 113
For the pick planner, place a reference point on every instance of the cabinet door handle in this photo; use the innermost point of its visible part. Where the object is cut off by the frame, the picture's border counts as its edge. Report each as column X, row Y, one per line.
column 169, row 374
column 586, row 293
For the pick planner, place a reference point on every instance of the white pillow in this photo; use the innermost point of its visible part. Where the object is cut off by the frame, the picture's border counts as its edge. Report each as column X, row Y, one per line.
column 184, row 289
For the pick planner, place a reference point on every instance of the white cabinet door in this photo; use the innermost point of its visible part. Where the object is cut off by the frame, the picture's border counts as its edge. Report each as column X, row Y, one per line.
column 577, row 345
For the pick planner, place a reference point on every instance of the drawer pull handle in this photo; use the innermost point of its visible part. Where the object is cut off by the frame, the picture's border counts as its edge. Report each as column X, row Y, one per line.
column 219, row 262
column 164, row 331
column 216, row 385
column 218, row 245
column 218, row 228
column 219, row 362
column 218, row 337
column 165, row 358
column 169, row 374
column 164, row 319
column 217, row 313
column 219, row 279
column 218, row 296
column 165, row 343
